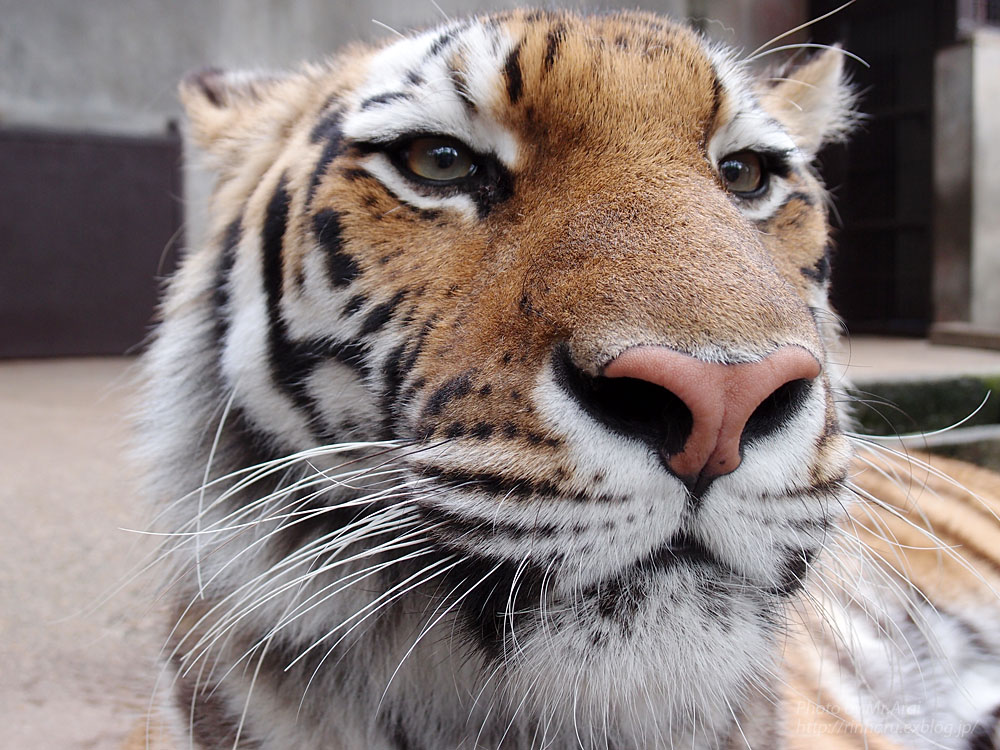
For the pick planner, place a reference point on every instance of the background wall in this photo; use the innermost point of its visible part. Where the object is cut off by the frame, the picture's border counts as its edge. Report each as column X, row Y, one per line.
column 111, row 66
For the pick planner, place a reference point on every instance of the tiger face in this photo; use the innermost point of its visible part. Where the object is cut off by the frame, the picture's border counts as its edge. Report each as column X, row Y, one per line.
column 501, row 367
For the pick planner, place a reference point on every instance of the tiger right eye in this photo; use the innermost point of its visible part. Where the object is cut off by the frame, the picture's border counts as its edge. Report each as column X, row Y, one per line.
column 442, row 160
column 743, row 173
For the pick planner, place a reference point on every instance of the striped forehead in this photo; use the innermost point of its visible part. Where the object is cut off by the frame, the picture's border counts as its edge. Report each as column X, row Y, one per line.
column 452, row 81
column 741, row 123
column 448, row 81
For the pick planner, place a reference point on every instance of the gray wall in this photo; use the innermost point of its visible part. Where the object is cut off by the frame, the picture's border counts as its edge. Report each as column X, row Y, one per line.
column 986, row 180
column 111, row 66
column 967, row 188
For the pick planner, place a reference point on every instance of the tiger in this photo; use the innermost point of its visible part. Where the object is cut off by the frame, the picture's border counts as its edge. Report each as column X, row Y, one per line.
column 492, row 406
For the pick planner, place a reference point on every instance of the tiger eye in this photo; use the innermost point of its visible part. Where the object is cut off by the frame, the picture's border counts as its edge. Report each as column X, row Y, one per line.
column 743, row 172
column 439, row 159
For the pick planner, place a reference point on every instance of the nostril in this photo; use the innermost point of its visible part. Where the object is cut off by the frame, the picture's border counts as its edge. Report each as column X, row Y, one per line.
column 663, row 395
column 631, row 407
column 776, row 410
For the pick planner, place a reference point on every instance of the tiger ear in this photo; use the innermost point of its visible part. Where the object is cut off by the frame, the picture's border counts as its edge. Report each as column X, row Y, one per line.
column 814, row 101
column 216, row 101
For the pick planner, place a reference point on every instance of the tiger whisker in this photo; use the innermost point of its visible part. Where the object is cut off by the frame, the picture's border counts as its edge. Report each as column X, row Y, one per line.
column 807, row 45
column 798, row 28
column 433, row 620
column 246, row 590
column 201, row 494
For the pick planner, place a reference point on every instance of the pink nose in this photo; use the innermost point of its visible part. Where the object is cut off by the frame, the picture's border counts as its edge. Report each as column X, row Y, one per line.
column 721, row 398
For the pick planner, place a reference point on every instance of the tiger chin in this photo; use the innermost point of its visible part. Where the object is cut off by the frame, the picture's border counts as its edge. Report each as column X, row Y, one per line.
column 491, row 406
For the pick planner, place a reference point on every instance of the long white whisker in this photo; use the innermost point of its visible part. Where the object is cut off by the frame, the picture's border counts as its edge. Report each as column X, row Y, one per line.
column 201, row 495
column 808, row 45
column 800, row 27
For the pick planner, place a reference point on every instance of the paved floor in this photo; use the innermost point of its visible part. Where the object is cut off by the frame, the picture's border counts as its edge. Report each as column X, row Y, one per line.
column 76, row 650
column 78, row 639
column 870, row 358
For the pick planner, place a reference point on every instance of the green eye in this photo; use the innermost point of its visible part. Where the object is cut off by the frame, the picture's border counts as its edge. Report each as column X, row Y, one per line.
column 743, row 172
column 439, row 159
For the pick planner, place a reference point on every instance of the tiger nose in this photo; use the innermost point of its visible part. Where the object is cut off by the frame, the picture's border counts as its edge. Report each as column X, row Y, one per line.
column 727, row 401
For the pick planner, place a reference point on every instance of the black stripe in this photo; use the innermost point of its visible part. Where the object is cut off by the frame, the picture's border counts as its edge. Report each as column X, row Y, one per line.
column 986, row 733
column 398, row 735
column 456, row 387
column 328, row 123
column 440, row 44
column 256, row 446
column 384, row 98
column 341, row 267
column 800, row 196
column 395, row 370
column 470, row 532
column 411, row 358
column 552, row 41
column 457, row 78
column 498, row 596
column 355, row 303
column 326, row 131
column 353, row 174
column 291, row 362
column 353, row 354
column 272, row 237
column 981, row 739
column 212, row 722
column 288, row 366
column 494, row 484
column 381, row 314
column 506, row 486
column 512, row 72
column 821, row 269
column 211, row 82
column 220, row 294
column 620, row 596
column 793, row 576
column 392, row 379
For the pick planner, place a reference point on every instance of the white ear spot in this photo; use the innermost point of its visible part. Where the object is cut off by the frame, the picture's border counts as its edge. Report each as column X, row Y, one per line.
column 814, row 102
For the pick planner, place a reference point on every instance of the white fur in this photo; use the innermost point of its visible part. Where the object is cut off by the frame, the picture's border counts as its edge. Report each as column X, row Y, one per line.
column 435, row 107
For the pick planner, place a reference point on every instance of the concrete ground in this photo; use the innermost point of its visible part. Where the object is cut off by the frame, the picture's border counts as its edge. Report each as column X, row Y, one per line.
column 870, row 358
column 79, row 636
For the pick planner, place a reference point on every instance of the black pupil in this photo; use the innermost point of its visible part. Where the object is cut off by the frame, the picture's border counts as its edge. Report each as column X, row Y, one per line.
column 444, row 156
column 732, row 171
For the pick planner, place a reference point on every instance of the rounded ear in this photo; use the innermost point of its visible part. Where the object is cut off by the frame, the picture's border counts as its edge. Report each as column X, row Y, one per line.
column 814, row 101
column 214, row 100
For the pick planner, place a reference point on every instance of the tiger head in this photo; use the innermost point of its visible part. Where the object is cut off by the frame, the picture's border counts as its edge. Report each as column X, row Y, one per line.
column 502, row 363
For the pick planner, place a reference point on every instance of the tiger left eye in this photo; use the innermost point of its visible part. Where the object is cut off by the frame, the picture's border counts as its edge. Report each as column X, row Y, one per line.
column 439, row 160
column 743, row 173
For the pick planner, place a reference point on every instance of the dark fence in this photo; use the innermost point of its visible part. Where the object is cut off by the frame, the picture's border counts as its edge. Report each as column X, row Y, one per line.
column 87, row 223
